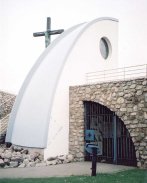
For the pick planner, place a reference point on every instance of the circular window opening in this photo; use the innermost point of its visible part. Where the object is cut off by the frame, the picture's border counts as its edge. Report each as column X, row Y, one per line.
column 104, row 47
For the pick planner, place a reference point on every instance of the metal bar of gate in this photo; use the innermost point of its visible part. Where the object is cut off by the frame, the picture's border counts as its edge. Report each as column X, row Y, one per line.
column 115, row 140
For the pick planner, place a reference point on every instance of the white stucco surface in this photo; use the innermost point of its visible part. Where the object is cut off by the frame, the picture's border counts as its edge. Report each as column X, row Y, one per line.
column 40, row 116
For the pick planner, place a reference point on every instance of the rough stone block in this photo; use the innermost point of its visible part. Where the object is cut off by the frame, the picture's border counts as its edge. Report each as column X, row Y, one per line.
column 13, row 164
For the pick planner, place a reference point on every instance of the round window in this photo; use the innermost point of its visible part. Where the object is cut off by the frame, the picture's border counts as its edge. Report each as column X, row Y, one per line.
column 104, row 47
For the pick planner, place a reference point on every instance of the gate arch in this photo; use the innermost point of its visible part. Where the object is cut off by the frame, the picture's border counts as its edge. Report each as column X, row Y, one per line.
column 111, row 134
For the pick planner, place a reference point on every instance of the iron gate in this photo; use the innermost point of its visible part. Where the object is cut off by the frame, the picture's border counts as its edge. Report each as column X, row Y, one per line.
column 111, row 135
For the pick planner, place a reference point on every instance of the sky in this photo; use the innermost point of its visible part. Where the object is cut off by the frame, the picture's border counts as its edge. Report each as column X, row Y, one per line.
column 19, row 19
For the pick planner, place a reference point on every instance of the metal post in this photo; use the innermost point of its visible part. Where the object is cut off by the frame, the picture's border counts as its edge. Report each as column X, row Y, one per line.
column 48, row 28
column 104, row 75
column 114, row 140
column 94, row 161
column 47, row 39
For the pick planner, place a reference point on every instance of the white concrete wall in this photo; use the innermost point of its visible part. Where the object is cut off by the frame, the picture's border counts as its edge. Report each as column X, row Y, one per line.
column 84, row 57
column 30, row 117
column 40, row 114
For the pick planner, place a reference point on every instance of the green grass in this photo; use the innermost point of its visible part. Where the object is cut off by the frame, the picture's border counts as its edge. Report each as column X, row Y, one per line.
column 130, row 176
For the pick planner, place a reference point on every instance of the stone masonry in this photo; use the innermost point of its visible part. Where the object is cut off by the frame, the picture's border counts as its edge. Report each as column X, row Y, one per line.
column 6, row 103
column 16, row 156
column 128, row 99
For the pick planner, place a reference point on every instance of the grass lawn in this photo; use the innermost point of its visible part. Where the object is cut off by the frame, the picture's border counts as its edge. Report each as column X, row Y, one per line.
column 130, row 176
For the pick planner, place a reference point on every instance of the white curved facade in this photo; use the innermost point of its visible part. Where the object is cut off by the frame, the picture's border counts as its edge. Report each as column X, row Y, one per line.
column 40, row 116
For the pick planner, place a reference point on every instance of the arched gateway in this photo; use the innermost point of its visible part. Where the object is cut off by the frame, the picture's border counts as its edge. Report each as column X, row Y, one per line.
column 111, row 134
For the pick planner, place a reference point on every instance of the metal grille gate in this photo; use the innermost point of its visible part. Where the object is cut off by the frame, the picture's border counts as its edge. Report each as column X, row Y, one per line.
column 111, row 134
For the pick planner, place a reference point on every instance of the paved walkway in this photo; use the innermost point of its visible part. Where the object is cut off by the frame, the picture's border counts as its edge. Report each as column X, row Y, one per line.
column 78, row 168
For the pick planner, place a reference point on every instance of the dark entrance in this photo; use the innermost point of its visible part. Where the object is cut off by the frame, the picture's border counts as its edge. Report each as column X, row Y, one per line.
column 111, row 135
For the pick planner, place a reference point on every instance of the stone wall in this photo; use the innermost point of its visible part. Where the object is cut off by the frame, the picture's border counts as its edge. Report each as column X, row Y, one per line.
column 16, row 156
column 3, row 128
column 6, row 103
column 128, row 99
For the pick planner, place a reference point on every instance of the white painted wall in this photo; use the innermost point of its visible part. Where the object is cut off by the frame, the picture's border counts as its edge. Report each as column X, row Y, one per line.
column 30, row 116
column 40, row 116
column 84, row 57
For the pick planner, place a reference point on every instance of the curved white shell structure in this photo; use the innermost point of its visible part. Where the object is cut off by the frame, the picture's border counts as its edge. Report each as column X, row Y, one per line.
column 40, row 116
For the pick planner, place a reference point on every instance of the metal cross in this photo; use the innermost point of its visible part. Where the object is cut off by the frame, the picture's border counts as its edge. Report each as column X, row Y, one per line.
column 48, row 32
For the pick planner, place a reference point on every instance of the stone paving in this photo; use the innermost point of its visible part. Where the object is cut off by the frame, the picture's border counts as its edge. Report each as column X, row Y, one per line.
column 69, row 169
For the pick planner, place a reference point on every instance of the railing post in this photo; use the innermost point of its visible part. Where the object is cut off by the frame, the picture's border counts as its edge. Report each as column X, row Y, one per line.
column 86, row 79
column 124, row 73
column 146, row 70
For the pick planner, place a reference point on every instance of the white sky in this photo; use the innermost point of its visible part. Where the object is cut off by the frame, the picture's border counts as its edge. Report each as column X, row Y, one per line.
column 20, row 18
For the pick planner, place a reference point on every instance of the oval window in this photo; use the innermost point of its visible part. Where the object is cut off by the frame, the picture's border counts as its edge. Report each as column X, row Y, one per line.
column 104, row 48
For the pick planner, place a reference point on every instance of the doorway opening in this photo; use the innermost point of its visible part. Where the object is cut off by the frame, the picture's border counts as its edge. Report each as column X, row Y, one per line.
column 111, row 135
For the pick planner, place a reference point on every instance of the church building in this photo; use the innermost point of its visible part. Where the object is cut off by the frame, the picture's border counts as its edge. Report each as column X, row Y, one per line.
column 44, row 114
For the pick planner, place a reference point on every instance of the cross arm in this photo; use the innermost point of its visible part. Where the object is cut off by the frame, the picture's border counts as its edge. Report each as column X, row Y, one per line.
column 37, row 34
